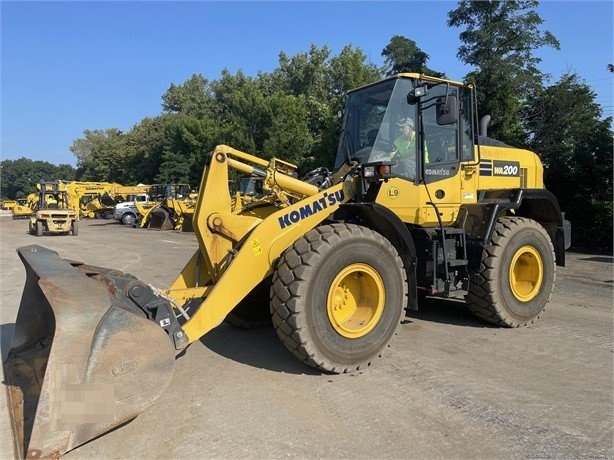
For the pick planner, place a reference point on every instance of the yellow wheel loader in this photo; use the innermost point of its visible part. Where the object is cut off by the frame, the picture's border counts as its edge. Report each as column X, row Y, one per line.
column 25, row 208
column 333, row 259
column 173, row 208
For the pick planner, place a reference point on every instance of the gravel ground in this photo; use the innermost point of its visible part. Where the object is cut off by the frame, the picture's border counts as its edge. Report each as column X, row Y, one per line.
column 449, row 387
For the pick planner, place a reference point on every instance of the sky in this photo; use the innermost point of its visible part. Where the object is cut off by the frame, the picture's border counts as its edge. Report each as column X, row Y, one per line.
column 72, row 66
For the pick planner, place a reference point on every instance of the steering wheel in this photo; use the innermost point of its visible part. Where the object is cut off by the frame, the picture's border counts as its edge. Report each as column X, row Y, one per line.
column 362, row 156
column 384, row 146
column 381, row 150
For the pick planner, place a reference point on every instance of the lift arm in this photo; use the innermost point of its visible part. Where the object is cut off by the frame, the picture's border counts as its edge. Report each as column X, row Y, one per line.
column 238, row 251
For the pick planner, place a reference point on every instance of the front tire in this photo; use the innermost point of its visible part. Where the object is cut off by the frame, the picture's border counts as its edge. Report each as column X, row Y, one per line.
column 338, row 297
column 516, row 276
column 75, row 228
column 39, row 228
column 128, row 219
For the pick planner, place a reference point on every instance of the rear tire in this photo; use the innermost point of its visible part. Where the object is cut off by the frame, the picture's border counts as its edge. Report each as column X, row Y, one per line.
column 74, row 228
column 338, row 297
column 39, row 229
column 253, row 311
column 516, row 276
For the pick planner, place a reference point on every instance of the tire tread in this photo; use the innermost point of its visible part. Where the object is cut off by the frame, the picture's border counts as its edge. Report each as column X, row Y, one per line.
column 289, row 286
column 482, row 298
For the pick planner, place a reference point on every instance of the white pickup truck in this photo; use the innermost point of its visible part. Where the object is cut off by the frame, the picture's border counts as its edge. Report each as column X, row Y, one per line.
column 126, row 211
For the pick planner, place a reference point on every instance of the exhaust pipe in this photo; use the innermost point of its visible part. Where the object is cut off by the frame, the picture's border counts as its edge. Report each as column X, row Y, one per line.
column 484, row 122
column 84, row 357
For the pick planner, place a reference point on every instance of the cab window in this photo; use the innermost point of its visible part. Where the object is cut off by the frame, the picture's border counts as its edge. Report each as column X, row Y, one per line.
column 441, row 140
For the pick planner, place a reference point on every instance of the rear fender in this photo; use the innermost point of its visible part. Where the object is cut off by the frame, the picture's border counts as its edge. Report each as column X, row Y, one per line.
column 538, row 204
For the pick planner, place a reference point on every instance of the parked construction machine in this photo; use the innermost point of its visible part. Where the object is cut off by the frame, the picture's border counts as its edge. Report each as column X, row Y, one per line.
column 53, row 213
column 171, row 207
column 8, row 205
column 126, row 212
column 25, row 207
column 334, row 259
column 98, row 199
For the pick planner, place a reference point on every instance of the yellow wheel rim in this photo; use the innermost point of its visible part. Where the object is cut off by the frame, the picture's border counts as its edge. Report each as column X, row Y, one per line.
column 355, row 301
column 526, row 273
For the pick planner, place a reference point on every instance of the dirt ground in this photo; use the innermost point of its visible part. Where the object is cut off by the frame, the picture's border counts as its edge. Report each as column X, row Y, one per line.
column 449, row 387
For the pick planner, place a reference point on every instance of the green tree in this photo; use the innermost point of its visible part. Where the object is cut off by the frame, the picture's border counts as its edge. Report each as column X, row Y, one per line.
column 575, row 144
column 289, row 135
column 19, row 177
column 347, row 71
column 290, row 112
column 240, row 111
column 304, row 73
column 499, row 40
column 320, row 81
column 190, row 98
column 101, row 155
column 186, row 141
column 145, row 144
column 403, row 55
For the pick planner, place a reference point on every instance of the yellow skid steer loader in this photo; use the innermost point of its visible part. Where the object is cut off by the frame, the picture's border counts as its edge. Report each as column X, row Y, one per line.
column 332, row 260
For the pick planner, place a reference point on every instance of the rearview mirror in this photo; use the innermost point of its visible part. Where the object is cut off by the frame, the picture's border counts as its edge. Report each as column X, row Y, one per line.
column 447, row 110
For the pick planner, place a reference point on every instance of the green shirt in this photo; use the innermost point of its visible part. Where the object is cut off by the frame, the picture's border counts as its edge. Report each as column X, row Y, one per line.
column 407, row 147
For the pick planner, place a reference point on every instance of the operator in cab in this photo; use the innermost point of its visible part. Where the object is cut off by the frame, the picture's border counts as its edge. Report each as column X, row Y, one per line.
column 405, row 145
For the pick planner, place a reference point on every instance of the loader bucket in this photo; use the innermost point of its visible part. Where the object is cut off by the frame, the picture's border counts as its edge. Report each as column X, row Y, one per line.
column 82, row 359
column 187, row 222
column 160, row 219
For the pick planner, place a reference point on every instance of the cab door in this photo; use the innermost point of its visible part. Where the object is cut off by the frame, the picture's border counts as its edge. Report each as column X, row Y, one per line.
column 441, row 154
column 447, row 162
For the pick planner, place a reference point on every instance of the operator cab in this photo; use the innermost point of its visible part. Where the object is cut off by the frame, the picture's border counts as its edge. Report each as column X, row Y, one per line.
column 161, row 192
column 51, row 197
column 443, row 126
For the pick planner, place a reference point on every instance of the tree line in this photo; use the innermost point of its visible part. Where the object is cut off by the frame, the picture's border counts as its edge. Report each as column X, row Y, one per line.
column 291, row 113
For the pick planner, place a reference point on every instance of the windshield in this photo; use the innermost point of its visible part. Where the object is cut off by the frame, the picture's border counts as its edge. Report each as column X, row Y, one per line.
column 177, row 191
column 180, row 191
column 371, row 121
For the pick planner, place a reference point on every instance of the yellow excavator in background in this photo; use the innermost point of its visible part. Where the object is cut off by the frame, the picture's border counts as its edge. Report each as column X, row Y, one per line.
column 8, row 205
column 98, row 199
column 86, row 197
column 332, row 259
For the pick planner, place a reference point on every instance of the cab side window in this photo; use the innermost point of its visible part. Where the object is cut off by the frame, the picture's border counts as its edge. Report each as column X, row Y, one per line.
column 441, row 141
column 466, row 132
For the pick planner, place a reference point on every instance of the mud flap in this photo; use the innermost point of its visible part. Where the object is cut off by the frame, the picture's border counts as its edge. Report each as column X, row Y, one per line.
column 82, row 360
column 160, row 219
